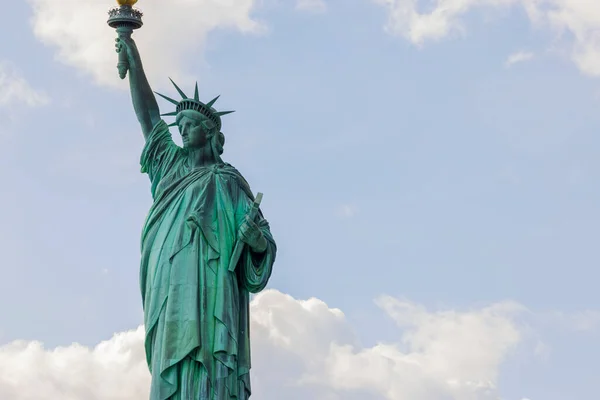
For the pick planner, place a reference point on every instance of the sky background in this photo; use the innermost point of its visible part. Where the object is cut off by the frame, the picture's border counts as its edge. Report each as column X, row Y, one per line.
column 430, row 171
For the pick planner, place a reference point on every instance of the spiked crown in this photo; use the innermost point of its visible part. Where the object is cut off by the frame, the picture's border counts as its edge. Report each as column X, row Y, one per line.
column 196, row 105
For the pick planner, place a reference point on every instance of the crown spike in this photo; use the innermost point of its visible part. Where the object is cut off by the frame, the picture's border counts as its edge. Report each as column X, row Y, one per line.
column 167, row 98
column 183, row 95
column 196, row 96
column 171, row 114
column 221, row 113
column 213, row 101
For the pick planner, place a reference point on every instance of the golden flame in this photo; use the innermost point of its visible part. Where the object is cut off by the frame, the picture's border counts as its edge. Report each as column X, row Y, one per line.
column 127, row 2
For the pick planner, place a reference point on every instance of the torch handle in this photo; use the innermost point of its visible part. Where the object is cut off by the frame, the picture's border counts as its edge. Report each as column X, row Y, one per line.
column 123, row 32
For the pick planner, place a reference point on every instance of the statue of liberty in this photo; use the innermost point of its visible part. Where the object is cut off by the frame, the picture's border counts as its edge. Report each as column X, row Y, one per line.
column 195, row 283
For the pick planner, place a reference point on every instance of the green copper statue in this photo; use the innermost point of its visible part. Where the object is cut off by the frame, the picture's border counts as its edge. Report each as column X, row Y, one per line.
column 205, row 247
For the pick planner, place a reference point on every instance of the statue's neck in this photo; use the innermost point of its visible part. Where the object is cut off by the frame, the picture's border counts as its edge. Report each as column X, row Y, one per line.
column 202, row 157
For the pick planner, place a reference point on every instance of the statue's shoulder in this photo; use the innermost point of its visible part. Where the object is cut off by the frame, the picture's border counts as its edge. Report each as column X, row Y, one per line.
column 226, row 170
column 235, row 176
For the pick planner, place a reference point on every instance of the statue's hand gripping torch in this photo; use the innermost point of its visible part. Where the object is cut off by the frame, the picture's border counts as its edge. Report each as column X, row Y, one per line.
column 124, row 19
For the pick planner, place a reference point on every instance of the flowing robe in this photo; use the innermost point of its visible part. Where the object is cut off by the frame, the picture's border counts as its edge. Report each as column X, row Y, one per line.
column 196, row 310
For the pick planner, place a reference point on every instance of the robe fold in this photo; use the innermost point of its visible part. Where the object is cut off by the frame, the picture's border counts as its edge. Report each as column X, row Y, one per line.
column 196, row 311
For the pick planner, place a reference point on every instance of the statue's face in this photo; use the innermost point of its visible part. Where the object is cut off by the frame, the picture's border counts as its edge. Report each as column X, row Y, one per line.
column 192, row 132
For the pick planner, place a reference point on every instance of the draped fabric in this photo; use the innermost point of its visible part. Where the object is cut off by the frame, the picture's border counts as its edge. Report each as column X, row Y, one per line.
column 196, row 310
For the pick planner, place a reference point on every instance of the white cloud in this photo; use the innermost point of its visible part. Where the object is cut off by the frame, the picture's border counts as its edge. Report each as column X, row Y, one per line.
column 406, row 20
column 317, row 6
column 439, row 354
column 301, row 349
column 15, row 90
column 172, row 30
column 113, row 370
column 518, row 57
column 578, row 19
column 346, row 211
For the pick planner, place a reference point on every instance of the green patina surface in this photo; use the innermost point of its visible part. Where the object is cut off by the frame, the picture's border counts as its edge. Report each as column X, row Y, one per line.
column 205, row 248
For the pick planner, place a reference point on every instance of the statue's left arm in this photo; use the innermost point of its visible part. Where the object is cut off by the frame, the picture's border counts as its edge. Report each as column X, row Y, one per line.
column 258, row 257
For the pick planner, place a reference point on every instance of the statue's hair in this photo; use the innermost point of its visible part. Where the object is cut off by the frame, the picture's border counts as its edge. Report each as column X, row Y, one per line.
column 220, row 142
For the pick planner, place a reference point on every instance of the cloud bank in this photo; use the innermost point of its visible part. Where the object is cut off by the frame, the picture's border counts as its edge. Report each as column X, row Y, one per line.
column 15, row 90
column 78, row 30
column 301, row 350
column 82, row 38
column 578, row 21
column 518, row 57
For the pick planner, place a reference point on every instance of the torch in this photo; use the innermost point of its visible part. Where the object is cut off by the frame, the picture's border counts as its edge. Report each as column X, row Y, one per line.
column 124, row 19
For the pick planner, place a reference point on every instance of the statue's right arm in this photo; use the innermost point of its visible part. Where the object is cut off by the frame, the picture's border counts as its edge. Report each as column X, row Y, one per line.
column 144, row 102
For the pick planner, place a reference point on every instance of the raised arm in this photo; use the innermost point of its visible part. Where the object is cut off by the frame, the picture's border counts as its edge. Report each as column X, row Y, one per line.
column 144, row 102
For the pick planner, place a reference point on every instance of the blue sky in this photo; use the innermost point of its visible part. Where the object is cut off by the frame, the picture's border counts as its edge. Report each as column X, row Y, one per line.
column 401, row 154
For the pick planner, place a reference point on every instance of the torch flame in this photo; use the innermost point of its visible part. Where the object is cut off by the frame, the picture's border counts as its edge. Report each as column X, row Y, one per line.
column 127, row 2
